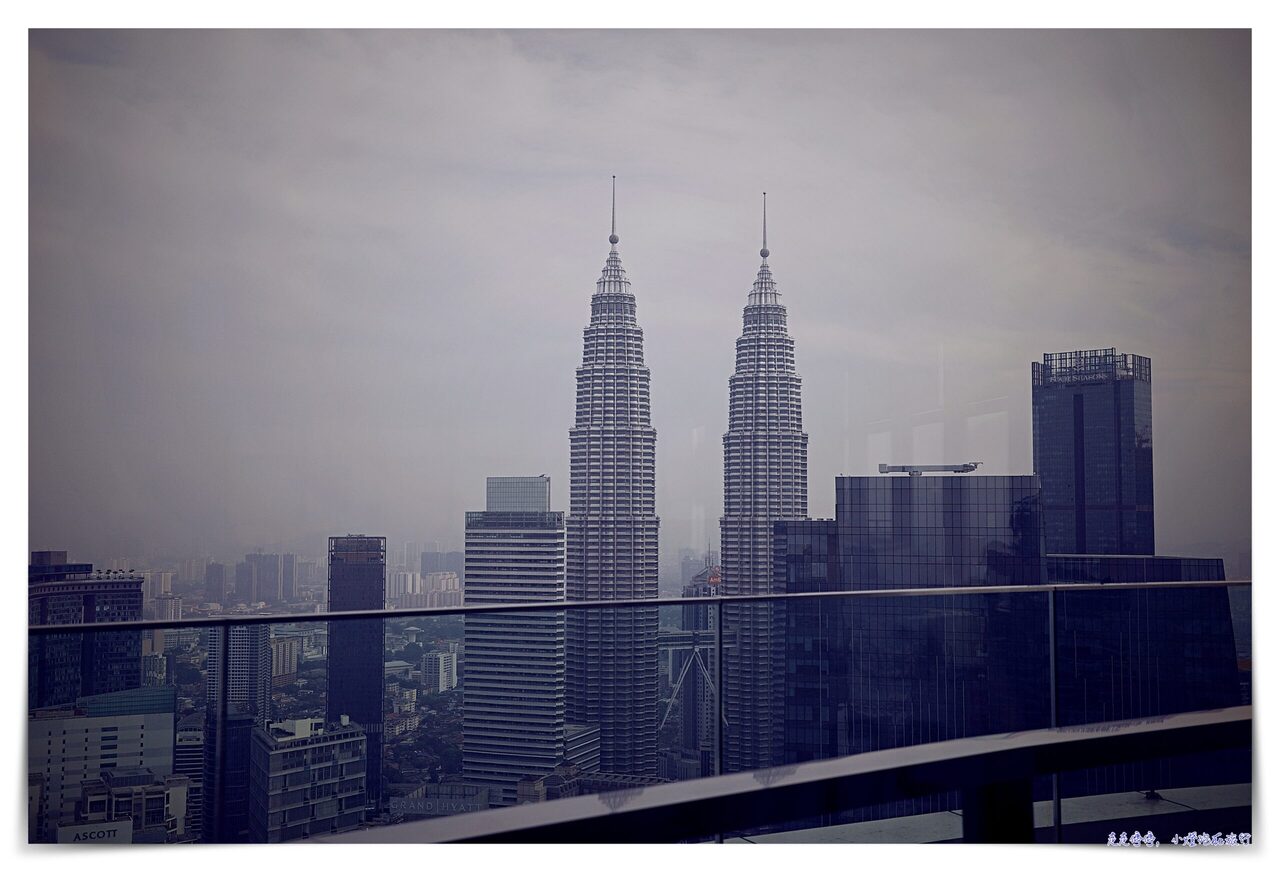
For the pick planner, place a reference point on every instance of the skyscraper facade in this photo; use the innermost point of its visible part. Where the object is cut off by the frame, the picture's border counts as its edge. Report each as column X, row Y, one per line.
column 229, row 721
column 64, row 667
column 357, row 581
column 268, row 574
column 1091, row 431
column 306, row 779
column 612, row 533
column 188, row 760
column 72, row 743
column 884, row 672
column 513, row 721
column 216, row 585
column 765, row 480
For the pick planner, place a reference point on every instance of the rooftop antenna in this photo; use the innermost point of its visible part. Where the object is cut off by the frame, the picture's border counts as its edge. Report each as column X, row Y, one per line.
column 613, row 219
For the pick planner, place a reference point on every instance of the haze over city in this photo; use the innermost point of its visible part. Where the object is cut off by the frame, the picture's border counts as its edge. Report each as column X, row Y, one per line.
column 289, row 285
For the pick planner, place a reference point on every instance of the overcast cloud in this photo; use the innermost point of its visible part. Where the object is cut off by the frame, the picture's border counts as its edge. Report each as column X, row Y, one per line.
column 286, row 285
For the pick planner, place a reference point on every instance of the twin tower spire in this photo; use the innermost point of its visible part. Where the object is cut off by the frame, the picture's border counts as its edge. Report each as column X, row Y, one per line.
column 764, row 221
column 611, row 531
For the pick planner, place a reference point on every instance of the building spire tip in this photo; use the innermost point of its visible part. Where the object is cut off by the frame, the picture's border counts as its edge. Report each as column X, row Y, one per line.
column 613, row 222
column 764, row 226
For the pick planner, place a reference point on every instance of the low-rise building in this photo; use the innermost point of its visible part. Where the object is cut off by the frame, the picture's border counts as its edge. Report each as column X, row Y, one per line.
column 154, row 806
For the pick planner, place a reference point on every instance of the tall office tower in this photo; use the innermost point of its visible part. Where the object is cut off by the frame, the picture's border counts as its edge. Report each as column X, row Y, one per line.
column 268, row 575
column 229, row 720
column 288, row 577
column 612, row 533
column 358, row 580
column 884, row 672
column 72, row 743
column 188, row 760
column 63, row 667
column 766, row 479
column 1091, row 431
column 513, row 703
column 215, row 583
column 247, row 582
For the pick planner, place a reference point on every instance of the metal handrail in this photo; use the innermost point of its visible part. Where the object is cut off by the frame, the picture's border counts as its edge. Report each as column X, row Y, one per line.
column 726, row 803
column 653, row 602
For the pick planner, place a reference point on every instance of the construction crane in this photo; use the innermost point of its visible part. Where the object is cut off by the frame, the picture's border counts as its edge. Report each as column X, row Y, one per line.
column 940, row 467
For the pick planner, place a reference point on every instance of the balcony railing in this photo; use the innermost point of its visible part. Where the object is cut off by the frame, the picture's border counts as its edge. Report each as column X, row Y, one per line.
column 778, row 713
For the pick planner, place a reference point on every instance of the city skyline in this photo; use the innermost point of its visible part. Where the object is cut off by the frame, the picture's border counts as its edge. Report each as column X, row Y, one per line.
column 289, row 285
column 212, row 432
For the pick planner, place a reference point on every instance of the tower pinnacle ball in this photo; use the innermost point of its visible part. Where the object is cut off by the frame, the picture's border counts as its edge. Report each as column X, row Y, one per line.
column 764, row 252
column 613, row 238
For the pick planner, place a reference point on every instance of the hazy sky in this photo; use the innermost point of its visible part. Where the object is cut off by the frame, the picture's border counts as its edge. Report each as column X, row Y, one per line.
column 286, row 285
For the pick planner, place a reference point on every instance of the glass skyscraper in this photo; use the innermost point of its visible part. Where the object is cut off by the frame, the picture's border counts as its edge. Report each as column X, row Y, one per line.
column 229, row 723
column 357, row 581
column 880, row 672
column 64, row 667
column 612, row 533
column 766, row 479
column 875, row 673
column 1091, row 432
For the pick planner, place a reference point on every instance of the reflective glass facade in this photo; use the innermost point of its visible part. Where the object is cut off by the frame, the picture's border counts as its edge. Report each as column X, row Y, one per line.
column 64, row 667
column 358, row 580
column 875, row 673
column 867, row 674
column 1091, row 431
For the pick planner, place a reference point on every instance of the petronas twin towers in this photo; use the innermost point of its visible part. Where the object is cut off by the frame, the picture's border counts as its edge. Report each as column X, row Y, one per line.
column 611, row 534
column 612, row 527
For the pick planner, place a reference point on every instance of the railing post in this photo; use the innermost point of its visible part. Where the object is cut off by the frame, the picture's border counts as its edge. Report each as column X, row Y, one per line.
column 999, row 812
column 1053, row 708
column 220, row 740
column 719, row 733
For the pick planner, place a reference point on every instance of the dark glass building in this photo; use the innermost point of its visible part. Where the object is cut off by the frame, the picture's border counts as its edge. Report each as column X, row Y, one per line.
column 881, row 672
column 229, row 722
column 358, row 580
column 62, row 668
column 1091, row 432
column 1066, row 568
column 873, row 673
column 216, row 586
